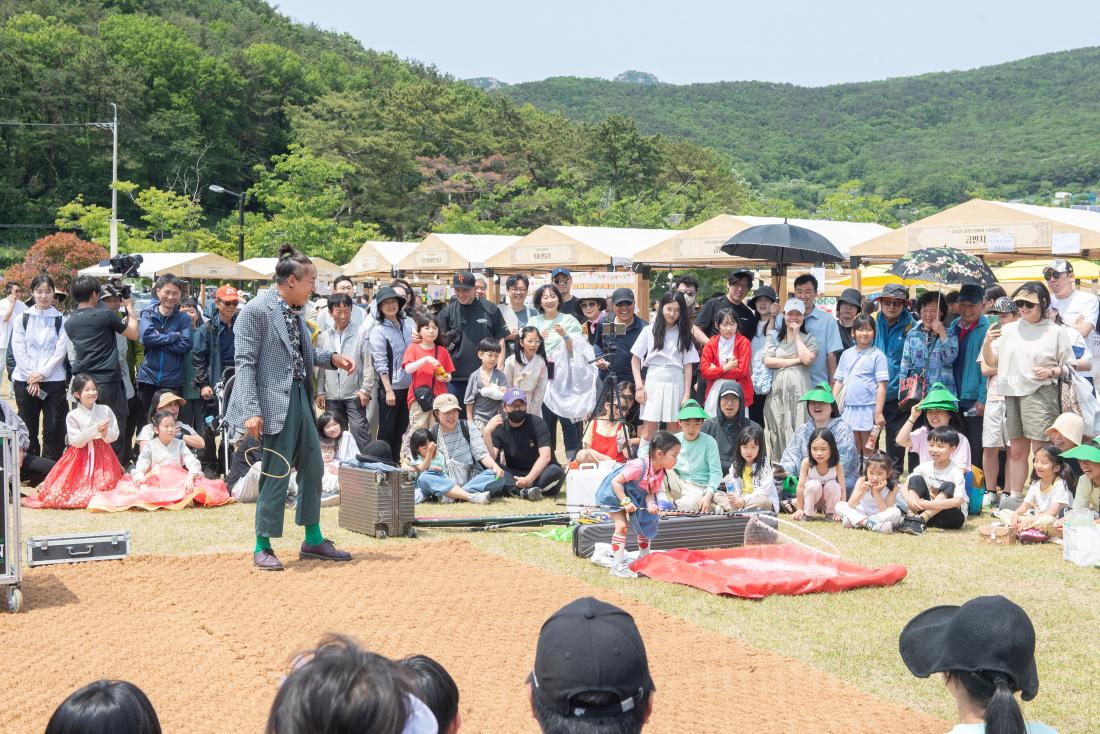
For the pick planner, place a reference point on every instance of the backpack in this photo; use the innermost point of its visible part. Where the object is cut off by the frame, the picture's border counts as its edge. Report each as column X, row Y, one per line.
column 57, row 332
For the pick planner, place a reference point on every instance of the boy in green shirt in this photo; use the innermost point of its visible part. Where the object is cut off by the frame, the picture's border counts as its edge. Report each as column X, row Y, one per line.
column 698, row 471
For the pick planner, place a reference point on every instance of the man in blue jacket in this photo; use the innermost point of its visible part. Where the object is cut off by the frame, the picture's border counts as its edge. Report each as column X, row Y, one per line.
column 165, row 333
column 891, row 325
column 970, row 328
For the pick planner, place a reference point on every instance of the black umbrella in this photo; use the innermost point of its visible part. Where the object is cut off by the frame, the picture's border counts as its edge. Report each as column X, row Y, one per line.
column 782, row 244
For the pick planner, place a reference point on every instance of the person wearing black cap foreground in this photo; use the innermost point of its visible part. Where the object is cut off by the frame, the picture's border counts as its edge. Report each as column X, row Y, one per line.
column 463, row 323
column 848, row 306
column 986, row 652
column 591, row 672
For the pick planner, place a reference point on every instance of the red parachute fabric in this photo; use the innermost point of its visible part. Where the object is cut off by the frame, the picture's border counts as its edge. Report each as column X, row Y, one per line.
column 754, row 572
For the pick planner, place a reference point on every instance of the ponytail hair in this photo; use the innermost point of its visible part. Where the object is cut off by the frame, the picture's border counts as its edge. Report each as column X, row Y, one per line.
column 993, row 691
column 291, row 262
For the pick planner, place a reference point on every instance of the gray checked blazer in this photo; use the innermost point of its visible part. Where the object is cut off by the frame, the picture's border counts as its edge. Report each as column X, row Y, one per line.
column 264, row 364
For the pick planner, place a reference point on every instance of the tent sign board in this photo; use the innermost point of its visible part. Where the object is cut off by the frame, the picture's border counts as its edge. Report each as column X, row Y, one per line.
column 592, row 284
column 1066, row 243
column 560, row 254
column 431, row 258
column 365, row 263
column 977, row 236
column 699, row 248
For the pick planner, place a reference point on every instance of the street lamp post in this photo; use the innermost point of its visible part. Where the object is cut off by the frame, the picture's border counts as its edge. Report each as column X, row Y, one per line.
column 240, row 221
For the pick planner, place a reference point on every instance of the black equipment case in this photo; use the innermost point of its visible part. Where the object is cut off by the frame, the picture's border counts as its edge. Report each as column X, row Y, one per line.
column 47, row 549
column 694, row 532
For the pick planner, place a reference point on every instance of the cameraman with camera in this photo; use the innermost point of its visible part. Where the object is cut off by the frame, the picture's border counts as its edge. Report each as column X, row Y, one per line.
column 463, row 323
column 91, row 328
column 617, row 335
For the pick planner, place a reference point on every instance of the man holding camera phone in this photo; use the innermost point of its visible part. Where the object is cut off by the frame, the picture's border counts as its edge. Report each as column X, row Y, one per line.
column 618, row 332
column 91, row 328
column 463, row 323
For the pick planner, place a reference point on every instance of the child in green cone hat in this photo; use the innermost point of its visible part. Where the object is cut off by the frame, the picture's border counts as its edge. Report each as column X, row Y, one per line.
column 698, row 473
column 940, row 407
column 1087, row 496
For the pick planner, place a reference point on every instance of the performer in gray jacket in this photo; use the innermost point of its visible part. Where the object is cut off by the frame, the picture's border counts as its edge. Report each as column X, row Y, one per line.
column 272, row 400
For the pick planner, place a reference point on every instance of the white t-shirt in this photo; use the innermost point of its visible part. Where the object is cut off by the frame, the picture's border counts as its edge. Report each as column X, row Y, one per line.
column 867, row 504
column 1080, row 304
column 936, row 477
column 1033, row 727
column 1043, row 501
column 668, row 355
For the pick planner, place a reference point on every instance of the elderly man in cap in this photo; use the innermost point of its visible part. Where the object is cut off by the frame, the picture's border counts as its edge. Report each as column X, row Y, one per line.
column 214, row 352
column 613, row 349
column 1078, row 309
column 970, row 385
column 463, row 323
column 891, row 327
column 591, row 671
column 521, row 446
column 347, row 395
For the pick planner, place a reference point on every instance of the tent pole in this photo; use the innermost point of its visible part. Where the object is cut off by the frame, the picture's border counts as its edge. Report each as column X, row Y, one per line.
column 855, row 274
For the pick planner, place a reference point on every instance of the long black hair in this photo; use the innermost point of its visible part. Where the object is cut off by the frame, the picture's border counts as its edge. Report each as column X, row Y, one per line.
column 435, row 687
column 993, row 692
column 520, row 357
column 1040, row 290
column 1062, row 468
column 683, row 324
column 827, row 436
column 105, row 706
column 751, row 433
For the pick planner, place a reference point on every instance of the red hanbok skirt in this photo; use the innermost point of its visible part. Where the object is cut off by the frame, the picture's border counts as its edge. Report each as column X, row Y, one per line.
column 77, row 477
column 164, row 487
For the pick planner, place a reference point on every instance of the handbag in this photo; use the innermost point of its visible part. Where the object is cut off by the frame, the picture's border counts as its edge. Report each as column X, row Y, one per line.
column 912, row 389
column 424, row 394
column 842, row 393
column 761, row 375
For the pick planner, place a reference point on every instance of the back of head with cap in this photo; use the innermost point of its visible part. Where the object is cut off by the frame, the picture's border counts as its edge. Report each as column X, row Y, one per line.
column 591, row 664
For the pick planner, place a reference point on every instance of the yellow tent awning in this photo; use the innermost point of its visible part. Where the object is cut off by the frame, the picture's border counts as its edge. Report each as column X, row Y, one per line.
column 874, row 277
column 1022, row 270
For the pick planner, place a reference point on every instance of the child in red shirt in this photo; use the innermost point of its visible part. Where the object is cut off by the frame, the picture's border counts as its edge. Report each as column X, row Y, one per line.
column 728, row 356
column 429, row 365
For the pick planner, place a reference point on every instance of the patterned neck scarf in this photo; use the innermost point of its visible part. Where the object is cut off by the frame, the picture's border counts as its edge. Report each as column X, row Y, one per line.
column 292, row 317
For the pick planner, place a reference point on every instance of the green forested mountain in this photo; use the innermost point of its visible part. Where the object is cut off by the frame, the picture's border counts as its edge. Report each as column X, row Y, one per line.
column 333, row 142
column 1008, row 130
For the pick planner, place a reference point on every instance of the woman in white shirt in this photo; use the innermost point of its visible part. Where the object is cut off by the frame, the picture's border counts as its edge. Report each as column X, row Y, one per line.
column 562, row 335
column 39, row 344
column 666, row 350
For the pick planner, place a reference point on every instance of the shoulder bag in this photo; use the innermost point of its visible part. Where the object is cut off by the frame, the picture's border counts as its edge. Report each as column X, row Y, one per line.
column 425, row 394
column 913, row 388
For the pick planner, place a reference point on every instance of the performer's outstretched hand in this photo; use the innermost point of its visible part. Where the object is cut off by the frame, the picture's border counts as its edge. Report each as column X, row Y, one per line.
column 341, row 362
column 254, row 426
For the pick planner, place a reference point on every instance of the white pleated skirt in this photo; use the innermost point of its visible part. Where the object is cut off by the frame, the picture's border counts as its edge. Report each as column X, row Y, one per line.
column 664, row 389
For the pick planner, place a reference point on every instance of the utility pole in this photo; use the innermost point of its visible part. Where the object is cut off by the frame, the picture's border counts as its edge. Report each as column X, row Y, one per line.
column 114, row 182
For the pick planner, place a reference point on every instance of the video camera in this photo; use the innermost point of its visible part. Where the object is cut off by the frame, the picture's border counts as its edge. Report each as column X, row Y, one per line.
column 120, row 267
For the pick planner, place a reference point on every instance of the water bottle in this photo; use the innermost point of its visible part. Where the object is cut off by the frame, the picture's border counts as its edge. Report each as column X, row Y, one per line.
column 872, row 439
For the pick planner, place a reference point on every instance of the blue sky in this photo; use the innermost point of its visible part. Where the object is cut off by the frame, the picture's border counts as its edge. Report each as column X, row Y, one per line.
column 796, row 41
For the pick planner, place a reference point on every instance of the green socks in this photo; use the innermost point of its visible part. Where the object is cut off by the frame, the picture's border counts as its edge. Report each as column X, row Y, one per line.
column 313, row 537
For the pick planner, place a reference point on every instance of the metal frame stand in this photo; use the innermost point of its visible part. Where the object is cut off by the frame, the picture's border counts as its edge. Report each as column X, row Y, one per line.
column 11, row 561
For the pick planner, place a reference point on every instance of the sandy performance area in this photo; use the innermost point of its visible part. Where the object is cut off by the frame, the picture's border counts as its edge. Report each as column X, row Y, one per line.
column 208, row 637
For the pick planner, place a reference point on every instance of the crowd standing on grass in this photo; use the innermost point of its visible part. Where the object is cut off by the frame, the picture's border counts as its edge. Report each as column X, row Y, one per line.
column 943, row 403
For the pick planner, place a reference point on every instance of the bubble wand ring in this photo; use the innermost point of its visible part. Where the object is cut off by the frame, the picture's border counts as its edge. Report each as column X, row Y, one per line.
column 262, row 472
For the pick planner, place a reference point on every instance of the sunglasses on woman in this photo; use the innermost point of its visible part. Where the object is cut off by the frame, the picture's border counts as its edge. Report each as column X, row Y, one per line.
column 1025, row 305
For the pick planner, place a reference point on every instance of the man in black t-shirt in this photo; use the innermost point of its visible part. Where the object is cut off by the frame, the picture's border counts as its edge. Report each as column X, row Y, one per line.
column 91, row 328
column 468, row 319
column 562, row 279
column 739, row 282
column 521, row 445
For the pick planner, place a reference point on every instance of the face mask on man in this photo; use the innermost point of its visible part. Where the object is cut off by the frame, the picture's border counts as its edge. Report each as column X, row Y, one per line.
column 517, row 416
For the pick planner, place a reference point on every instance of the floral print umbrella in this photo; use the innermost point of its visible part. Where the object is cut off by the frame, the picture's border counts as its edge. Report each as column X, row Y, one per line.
column 944, row 265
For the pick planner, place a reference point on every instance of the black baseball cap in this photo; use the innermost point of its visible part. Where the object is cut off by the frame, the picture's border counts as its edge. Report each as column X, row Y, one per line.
column 989, row 635
column 736, row 275
column 894, row 290
column 764, row 291
column 590, row 646
column 622, row 295
column 463, row 279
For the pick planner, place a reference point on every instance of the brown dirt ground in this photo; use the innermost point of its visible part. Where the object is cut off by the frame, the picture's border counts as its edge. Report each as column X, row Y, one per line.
column 208, row 637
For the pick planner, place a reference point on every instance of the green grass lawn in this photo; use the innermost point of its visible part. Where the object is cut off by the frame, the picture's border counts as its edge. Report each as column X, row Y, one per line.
column 852, row 635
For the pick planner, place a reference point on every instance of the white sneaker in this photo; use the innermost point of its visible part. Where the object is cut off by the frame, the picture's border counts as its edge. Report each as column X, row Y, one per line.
column 884, row 527
column 330, row 498
column 445, row 500
column 845, row 522
column 622, row 571
column 479, row 498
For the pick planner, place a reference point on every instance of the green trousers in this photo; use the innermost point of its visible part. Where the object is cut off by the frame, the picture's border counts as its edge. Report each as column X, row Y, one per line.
column 299, row 444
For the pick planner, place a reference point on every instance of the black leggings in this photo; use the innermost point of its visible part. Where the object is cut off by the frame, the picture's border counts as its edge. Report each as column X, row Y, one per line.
column 952, row 519
column 393, row 420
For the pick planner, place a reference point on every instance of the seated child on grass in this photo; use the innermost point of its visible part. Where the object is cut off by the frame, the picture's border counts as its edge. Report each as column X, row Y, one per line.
column 337, row 446
column 871, row 505
column 1048, row 495
column 821, row 478
column 750, row 484
column 604, row 439
column 433, row 479
column 486, row 386
column 936, row 492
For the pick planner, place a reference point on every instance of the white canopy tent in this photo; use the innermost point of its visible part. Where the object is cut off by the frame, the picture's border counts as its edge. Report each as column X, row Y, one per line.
column 377, row 257
column 204, row 265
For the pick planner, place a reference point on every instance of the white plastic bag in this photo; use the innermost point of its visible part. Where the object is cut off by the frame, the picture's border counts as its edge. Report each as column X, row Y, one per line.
column 1086, row 399
column 1081, row 544
column 573, row 391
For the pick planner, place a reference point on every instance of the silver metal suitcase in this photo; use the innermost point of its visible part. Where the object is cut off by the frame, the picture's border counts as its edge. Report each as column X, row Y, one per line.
column 376, row 502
